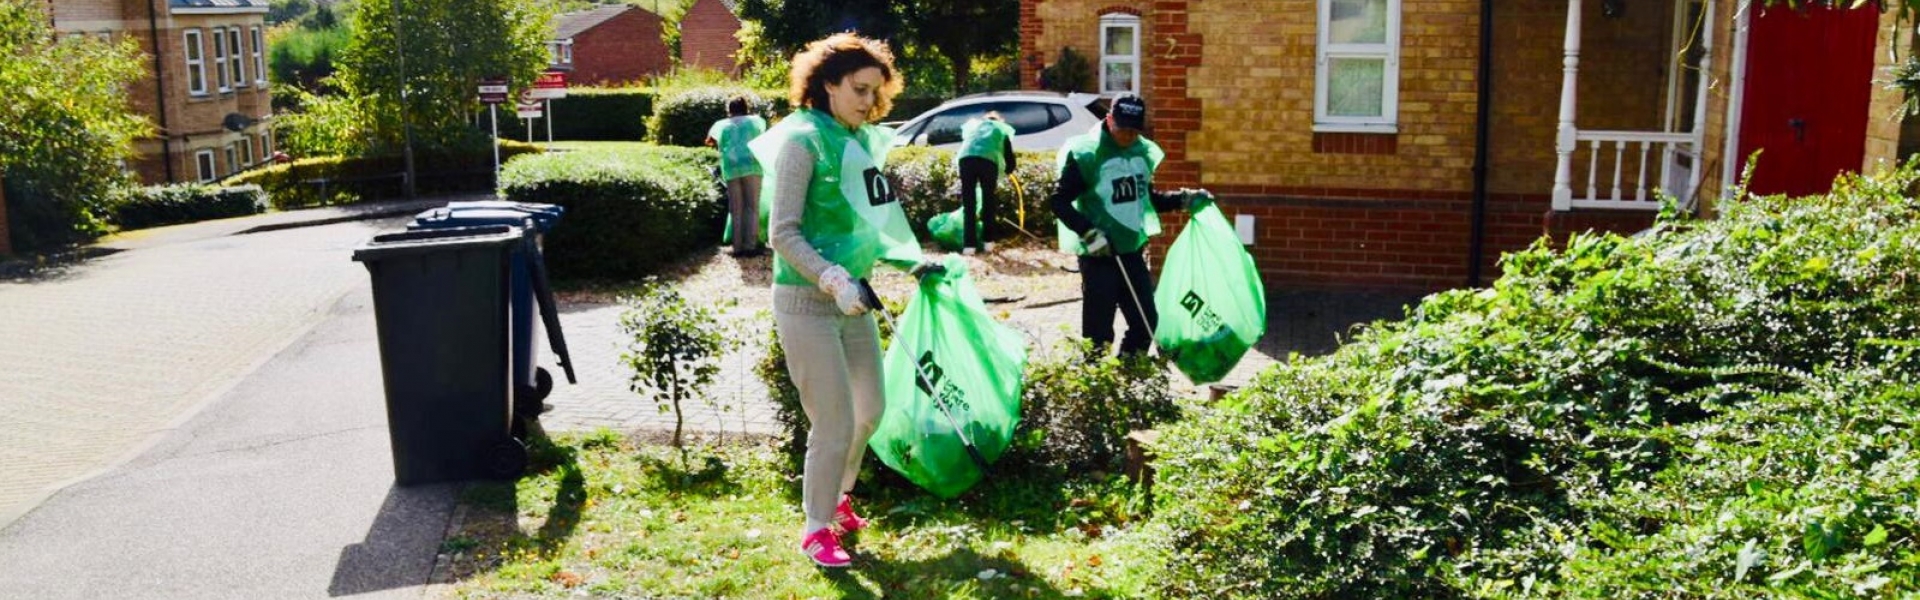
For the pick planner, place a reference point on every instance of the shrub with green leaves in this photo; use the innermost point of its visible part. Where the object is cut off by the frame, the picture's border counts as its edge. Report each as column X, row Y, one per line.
column 154, row 206
column 674, row 349
column 1078, row 407
column 681, row 116
column 65, row 127
column 629, row 212
column 1712, row 409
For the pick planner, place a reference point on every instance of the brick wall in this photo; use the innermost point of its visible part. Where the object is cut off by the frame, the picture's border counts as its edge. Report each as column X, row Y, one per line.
column 1884, row 116
column 707, row 37
column 623, row 49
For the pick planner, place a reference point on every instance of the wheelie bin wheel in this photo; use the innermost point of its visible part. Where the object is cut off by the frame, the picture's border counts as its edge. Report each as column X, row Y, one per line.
column 506, row 459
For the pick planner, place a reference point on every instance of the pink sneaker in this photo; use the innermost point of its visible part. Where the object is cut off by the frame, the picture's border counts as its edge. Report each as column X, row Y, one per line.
column 844, row 517
column 823, row 547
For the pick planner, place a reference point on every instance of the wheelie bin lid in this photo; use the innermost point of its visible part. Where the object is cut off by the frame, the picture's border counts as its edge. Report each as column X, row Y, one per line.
column 391, row 245
column 489, row 212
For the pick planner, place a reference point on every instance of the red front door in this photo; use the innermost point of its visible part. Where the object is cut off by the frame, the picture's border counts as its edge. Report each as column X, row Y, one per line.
column 1809, row 80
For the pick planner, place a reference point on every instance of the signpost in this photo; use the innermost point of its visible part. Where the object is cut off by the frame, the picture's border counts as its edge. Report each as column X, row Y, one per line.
column 551, row 84
column 493, row 92
column 529, row 109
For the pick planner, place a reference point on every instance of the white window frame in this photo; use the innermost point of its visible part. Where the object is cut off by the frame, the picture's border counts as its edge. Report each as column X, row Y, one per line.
column 203, row 161
column 196, row 55
column 220, row 59
column 233, row 158
column 1120, row 21
column 237, row 56
column 246, row 151
column 560, row 51
column 1326, row 51
column 259, row 58
column 266, row 144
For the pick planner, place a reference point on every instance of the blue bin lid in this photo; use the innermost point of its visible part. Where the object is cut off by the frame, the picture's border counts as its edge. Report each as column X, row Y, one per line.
column 489, row 212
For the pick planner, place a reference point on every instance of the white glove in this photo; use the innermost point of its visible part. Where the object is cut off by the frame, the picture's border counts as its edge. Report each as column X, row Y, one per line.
column 836, row 282
column 1096, row 243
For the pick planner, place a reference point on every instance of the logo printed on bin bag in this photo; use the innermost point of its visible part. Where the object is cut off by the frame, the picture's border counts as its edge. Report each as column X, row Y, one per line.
column 1203, row 317
column 932, row 377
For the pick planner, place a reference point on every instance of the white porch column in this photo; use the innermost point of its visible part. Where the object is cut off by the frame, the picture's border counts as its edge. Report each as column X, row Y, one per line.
column 1564, row 142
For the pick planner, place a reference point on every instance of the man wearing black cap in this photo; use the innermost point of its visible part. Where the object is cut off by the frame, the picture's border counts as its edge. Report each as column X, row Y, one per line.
column 1107, row 209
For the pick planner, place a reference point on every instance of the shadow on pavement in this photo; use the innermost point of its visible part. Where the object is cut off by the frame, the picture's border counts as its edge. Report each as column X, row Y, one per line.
column 50, row 267
column 399, row 547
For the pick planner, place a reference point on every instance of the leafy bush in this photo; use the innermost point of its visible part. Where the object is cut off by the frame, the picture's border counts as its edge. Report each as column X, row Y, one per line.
column 333, row 180
column 628, row 212
column 928, row 185
column 1078, row 407
column 681, row 117
column 65, row 127
column 594, row 114
column 674, row 349
column 153, row 206
column 1713, row 409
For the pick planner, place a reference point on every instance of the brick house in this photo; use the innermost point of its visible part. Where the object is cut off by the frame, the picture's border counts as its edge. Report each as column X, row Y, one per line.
column 707, row 36
column 1351, row 131
column 205, row 89
column 609, row 45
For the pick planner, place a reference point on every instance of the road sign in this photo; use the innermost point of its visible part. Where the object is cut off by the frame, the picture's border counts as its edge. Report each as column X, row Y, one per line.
column 493, row 90
column 551, row 84
column 528, row 107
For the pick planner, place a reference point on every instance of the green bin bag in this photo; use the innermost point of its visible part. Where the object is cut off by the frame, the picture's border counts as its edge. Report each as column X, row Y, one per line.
column 971, row 364
column 1211, row 302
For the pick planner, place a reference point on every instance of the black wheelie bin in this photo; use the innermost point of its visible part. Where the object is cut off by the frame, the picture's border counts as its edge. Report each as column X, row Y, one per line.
column 441, row 308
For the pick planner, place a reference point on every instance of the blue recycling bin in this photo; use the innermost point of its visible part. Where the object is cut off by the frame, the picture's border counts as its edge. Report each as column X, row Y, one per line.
column 528, row 292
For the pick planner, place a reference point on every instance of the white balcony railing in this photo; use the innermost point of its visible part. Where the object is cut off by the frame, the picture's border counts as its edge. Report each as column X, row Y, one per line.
column 1618, row 163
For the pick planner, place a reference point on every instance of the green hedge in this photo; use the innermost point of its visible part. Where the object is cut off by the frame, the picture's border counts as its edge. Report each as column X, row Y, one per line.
column 928, row 185
column 153, row 206
column 1720, row 409
column 331, row 180
column 591, row 114
column 681, row 117
column 629, row 213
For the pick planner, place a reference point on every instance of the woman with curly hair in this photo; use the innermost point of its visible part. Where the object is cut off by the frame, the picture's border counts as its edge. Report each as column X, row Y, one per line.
column 834, row 215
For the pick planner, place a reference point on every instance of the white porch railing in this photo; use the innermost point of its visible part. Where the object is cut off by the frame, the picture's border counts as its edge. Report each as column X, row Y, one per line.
column 1618, row 165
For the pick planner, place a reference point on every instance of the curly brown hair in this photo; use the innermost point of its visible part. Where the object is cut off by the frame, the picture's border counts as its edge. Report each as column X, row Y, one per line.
column 831, row 59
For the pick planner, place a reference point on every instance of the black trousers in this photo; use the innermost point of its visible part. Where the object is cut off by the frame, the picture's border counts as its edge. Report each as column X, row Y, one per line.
column 978, row 173
column 1103, row 290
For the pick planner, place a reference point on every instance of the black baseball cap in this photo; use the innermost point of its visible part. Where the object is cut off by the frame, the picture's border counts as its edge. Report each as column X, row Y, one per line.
column 1130, row 111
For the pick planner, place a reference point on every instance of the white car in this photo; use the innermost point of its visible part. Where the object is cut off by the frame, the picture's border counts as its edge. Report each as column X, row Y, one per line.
column 1041, row 120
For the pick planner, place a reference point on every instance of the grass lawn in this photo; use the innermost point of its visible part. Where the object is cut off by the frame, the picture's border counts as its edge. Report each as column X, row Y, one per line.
column 605, row 515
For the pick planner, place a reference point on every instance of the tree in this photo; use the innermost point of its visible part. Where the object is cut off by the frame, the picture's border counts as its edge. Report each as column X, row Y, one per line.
column 788, row 25
column 65, row 128
column 451, row 45
column 962, row 30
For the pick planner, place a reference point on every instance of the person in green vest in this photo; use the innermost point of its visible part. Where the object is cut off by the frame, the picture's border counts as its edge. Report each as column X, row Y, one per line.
column 741, row 172
column 834, row 216
column 986, row 155
column 1107, row 208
